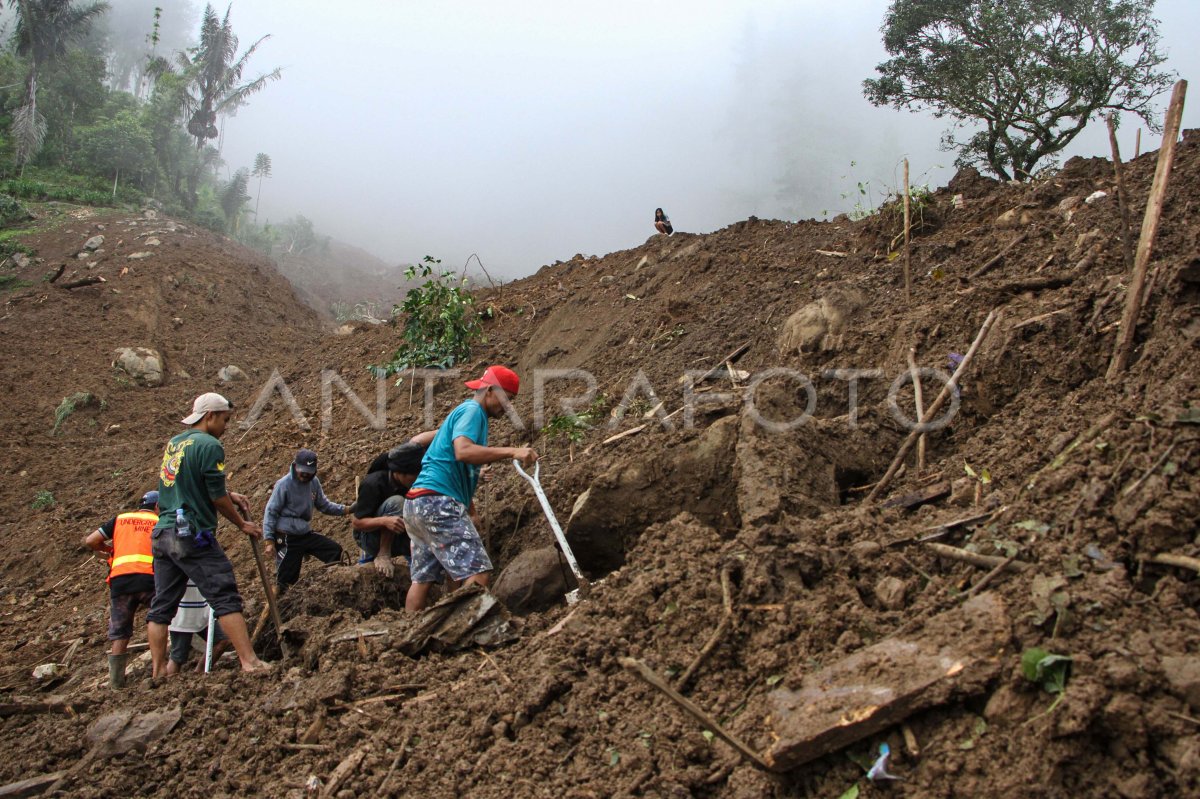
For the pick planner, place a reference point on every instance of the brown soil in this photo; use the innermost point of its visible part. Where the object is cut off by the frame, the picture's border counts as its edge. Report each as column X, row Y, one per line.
column 555, row 714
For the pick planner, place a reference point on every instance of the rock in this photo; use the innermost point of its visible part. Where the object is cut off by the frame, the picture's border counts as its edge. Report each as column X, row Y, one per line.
column 607, row 279
column 890, row 592
column 1095, row 196
column 20, row 260
column 153, row 242
column 150, row 213
column 821, row 325
column 46, row 671
column 1183, row 676
column 1008, row 219
column 143, row 364
column 183, row 373
column 864, row 550
column 94, row 243
column 1066, row 208
column 230, row 374
column 957, row 654
column 533, row 581
column 137, row 256
column 957, row 201
column 83, row 255
column 643, row 263
column 112, row 428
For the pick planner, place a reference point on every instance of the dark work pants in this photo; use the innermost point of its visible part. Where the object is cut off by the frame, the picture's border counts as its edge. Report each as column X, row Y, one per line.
column 292, row 549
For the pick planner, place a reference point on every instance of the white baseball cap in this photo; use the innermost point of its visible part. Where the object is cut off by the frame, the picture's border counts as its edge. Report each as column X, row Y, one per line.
column 207, row 403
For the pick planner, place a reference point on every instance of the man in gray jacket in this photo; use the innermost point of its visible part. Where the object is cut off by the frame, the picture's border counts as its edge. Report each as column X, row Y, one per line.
column 287, row 533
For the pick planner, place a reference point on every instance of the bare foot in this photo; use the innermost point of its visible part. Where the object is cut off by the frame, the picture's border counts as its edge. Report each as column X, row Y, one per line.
column 384, row 566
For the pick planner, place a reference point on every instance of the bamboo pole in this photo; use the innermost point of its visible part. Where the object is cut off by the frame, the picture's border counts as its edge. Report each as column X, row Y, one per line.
column 1123, row 350
column 1137, row 144
column 1122, row 195
column 907, row 239
column 919, row 399
column 933, row 409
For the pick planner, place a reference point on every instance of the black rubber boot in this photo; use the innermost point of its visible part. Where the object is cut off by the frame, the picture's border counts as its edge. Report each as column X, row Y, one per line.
column 116, row 670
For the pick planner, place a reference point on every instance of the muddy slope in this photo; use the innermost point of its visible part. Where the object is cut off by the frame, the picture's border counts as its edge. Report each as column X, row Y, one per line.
column 1088, row 481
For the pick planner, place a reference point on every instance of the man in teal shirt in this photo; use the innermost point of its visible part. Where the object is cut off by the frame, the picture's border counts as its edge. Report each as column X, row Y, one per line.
column 439, row 512
column 192, row 479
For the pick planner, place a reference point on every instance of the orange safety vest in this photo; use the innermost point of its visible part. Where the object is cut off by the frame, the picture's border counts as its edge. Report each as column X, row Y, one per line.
column 131, row 544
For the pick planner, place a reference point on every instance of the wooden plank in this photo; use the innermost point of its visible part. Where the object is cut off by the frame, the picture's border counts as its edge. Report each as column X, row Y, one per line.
column 957, row 654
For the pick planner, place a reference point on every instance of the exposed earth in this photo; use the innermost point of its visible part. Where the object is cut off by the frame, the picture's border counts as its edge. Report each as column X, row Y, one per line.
column 1074, row 483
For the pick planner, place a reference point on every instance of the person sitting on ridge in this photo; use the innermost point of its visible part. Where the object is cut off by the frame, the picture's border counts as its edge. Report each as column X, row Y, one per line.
column 662, row 223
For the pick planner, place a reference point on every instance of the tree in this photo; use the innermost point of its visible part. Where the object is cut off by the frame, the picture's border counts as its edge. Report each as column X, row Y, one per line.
column 118, row 145
column 44, row 29
column 234, row 196
column 1032, row 72
column 213, row 70
column 262, row 169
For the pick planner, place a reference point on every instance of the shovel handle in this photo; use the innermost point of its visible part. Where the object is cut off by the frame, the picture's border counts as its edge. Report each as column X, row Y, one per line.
column 550, row 517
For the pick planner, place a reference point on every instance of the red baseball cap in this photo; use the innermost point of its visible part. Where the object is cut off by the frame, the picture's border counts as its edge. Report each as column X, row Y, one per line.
column 497, row 375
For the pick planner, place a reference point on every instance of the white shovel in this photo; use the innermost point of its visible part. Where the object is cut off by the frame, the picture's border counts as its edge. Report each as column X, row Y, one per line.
column 582, row 590
column 208, row 645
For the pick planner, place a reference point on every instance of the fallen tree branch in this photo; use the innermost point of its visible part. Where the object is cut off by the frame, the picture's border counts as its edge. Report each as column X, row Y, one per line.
column 998, row 258
column 1181, row 561
column 344, row 769
column 723, row 364
column 718, row 634
column 933, row 409
column 992, row 575
column 1033, row 284
column 84, row 281
column 975, row 559
column 647, row 675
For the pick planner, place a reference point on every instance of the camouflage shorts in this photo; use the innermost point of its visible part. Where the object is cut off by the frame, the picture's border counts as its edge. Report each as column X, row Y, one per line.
column 444, row 540
column 121, row 612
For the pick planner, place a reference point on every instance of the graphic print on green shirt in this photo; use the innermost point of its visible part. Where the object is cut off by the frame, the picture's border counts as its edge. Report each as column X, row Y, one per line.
column 191, row 477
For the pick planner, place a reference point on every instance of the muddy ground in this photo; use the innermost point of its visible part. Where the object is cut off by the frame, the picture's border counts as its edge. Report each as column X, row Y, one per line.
column 1087, row 481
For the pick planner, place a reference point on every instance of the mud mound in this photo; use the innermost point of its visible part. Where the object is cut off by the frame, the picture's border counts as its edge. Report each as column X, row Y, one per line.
column 1084, row 493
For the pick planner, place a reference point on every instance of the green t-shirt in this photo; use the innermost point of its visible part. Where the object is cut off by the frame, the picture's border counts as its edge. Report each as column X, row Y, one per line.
column 191, row 477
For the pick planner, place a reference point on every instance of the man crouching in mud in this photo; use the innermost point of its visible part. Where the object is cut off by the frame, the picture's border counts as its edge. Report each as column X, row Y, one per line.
column 438, row 510
column 191, row 491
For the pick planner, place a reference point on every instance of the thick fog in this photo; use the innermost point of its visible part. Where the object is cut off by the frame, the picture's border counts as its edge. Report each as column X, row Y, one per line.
column 529, row 131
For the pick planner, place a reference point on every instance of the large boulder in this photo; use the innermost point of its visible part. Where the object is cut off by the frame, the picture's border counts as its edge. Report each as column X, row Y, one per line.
column 821, row 324
column 535, row 580
column 143, row 364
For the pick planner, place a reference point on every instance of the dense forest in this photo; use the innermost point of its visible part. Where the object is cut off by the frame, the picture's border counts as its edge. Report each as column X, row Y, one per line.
column 125, row 104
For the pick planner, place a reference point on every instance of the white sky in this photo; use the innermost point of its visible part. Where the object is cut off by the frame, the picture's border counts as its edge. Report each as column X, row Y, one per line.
column 526, row 132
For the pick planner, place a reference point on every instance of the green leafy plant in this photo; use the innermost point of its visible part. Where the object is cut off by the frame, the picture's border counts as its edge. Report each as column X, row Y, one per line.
column 982, row 478
column 1048, row 670
column 574, row 426
column 42, row 500
column 440, row 323
column 70, row 404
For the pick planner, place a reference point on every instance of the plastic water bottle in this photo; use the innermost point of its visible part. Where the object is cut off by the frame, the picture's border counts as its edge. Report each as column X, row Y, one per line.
column 182, row 528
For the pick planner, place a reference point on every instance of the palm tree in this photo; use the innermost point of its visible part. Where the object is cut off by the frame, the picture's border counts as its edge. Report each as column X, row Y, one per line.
column 262, row 169
column 214, row 70
column 44, row 30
